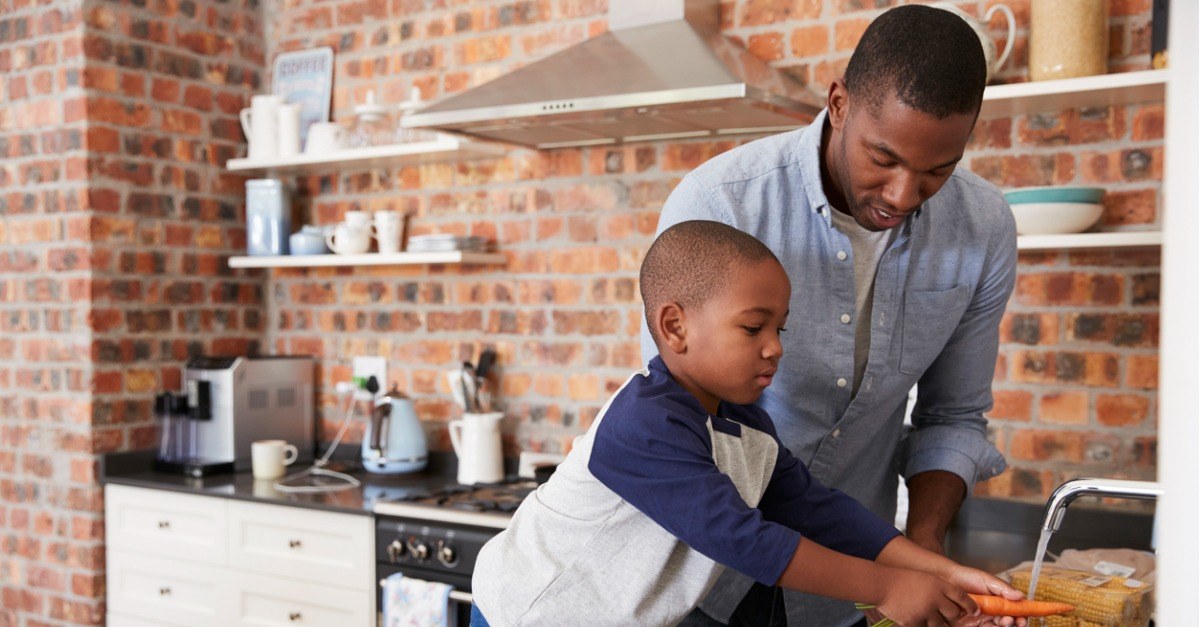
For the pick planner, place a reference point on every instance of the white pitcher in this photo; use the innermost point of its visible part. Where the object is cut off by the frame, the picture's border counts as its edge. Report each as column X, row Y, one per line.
column 260, row 124
column 980, row 27
column 476, row 441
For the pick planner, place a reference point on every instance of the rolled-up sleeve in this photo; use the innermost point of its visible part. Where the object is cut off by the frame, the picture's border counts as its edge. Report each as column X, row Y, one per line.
column 949, row 430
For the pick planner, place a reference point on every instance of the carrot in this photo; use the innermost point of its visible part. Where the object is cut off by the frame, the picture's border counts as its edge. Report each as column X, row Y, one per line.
column 1000, row 606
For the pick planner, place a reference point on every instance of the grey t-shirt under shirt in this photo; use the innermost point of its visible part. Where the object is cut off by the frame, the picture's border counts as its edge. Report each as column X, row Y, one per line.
column 867, row 248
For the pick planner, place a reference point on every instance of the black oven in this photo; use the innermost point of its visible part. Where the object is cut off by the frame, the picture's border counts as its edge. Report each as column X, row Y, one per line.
column 441, row 552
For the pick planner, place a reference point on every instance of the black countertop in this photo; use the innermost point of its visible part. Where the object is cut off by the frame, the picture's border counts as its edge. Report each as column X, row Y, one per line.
column 136, row 468
column 989, row 534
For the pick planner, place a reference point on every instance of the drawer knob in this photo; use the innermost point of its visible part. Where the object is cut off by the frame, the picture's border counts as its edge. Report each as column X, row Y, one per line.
column 164, row 524
column 294, row 616
column 295, row 544
column 164, row 591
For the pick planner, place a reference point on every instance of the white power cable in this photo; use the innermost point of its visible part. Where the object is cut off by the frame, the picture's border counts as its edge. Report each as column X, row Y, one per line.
column 318, row 468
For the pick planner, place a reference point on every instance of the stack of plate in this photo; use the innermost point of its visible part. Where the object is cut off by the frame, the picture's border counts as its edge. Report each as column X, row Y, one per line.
column 445, row 242
column 1051, row 210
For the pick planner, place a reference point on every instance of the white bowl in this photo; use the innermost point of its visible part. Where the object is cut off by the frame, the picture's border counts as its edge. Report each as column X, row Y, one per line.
column 1045, row 218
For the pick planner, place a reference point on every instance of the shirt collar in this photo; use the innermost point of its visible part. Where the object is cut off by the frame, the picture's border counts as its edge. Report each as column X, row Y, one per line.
column 810, row 165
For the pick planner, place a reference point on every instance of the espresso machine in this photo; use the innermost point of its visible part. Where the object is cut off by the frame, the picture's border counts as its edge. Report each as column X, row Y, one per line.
column 230, row 402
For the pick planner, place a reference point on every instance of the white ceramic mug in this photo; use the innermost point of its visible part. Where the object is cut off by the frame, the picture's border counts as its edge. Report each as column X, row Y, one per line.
column 358, row 219
column 389, row 230
column 289, row 130
column 260, row 124
column 324, row 137
column 268, row 458
column 345, row 239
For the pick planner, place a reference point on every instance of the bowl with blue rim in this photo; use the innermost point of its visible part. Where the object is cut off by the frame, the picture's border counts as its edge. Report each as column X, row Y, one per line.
column 1049, row 210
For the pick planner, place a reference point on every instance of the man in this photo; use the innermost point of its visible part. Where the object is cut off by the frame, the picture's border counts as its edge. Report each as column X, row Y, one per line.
column 901, row 266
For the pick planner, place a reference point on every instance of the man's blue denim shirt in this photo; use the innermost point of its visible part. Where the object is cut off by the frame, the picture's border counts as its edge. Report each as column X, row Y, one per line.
column 940, row 291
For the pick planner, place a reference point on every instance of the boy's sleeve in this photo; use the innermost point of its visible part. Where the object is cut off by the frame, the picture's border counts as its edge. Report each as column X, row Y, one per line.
column 830, row 517
column 663, row 466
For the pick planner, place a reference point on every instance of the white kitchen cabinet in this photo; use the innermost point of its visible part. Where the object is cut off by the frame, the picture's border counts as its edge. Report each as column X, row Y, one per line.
column 181, row 559
column 306, row 544
column 160, row 590
column 164, row 523
column 117, row 619
column 272, row 600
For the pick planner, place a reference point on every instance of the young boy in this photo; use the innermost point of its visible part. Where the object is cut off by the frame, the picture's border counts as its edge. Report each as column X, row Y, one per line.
column 681, row 475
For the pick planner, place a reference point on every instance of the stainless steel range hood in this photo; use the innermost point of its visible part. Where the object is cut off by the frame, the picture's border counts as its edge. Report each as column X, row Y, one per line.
column 662, row 71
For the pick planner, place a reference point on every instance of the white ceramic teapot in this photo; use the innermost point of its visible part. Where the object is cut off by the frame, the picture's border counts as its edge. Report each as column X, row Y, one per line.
column 476, row 441
column 980, row 27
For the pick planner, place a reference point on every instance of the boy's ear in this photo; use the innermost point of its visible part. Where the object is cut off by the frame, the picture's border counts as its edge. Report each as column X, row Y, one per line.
column 670, row 327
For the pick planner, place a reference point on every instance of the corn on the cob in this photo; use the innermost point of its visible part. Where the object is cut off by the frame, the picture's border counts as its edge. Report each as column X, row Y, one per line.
column 1107, row 605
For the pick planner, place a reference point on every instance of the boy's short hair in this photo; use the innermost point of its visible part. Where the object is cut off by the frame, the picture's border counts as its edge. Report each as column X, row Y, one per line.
column 929, row 58
column 693, row 260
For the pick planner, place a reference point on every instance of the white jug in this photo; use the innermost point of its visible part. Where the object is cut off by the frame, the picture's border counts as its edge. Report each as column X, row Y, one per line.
column 980, row 27
column 260, row 124
column 476, row 441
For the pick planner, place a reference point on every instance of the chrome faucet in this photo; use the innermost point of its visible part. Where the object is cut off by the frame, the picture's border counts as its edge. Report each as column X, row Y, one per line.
column 1056, row 507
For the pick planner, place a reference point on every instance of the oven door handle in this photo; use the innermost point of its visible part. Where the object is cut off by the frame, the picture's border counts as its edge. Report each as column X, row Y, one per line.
column 455, row 595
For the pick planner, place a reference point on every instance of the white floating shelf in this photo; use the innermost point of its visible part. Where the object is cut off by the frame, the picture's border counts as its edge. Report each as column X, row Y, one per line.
column 444, row 148
column 1123, row 239
column 368, row 259
column 1071, row 93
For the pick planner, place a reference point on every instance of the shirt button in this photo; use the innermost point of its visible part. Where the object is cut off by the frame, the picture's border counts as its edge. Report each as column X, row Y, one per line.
column 841, row 255
column 836, row 432
column 845, row 318
column 841, row 383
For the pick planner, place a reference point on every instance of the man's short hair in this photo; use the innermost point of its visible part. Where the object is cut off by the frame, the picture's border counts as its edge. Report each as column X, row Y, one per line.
column 692, row 261
column 928, row 57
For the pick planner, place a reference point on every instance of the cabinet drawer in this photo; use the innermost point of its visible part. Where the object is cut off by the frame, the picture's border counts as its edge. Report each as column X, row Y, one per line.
column 115, row 619
column 166, row 524
column 324, row 547
column 164, row 590
column 268, row 600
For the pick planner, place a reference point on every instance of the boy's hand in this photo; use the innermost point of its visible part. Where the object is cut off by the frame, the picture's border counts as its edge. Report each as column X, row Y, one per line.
column 921, row 599
column 979, row 582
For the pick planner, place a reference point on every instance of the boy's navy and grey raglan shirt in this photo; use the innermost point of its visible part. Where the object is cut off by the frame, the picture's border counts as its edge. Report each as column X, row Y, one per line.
column 637, row 523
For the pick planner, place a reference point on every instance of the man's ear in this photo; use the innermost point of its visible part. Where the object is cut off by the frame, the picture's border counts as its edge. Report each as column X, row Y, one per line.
column 838, row 103
column 669, row 324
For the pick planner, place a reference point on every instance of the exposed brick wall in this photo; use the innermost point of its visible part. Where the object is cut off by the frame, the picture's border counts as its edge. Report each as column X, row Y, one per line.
column 115, row 219
column 1076, row 375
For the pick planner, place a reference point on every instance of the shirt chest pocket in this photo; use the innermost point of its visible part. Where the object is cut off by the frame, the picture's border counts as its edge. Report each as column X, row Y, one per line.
column 930, row 317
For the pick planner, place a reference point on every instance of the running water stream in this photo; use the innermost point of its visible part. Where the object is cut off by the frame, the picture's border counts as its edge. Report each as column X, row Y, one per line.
column 1038, row 557
column 1043, row 541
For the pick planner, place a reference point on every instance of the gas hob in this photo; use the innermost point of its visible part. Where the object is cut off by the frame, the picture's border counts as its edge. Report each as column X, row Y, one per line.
column 482, row 505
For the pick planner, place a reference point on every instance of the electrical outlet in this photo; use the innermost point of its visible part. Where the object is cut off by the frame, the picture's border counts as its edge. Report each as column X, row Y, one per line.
column 367, row 367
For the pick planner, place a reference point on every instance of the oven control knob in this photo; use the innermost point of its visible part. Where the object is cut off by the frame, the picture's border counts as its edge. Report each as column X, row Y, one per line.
column 419, row 550
column 395, row 550
column 447, row 555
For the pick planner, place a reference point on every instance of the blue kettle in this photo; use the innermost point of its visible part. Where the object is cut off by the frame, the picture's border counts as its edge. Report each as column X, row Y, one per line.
column 395, row 442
